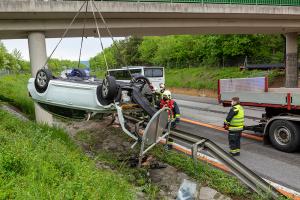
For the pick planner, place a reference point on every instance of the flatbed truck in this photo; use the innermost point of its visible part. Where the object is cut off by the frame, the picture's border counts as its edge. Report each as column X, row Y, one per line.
column 280, row 124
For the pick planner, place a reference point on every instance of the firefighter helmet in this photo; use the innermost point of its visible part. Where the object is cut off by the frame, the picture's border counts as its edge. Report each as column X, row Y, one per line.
column 167, row 94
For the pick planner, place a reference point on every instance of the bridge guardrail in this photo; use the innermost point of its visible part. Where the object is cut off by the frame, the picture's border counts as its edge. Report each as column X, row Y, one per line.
column 242, row 2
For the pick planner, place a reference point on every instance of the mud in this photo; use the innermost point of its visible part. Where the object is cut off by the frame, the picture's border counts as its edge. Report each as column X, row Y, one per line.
column 96, row 136
column 99, row 136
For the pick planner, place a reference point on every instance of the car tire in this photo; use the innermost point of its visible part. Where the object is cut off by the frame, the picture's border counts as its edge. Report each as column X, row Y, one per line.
column 109, row 89
column 101, row 99
column 141, row 80
column 42, row 79
column 284, row 135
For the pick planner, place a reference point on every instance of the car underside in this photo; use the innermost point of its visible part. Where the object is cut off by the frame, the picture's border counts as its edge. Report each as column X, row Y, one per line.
column 80, row 97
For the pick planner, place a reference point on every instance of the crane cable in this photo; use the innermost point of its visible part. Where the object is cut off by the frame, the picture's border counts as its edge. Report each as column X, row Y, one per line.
column 83, row 34
column 112, row 38
column 99, row 35
column 64, row 34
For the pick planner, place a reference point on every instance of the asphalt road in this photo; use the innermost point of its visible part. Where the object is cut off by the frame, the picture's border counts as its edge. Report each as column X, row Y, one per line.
column 279, row 167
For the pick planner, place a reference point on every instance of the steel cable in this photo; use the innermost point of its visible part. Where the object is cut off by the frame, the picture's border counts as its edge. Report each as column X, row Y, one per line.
column 64, row 34
column 99, row 35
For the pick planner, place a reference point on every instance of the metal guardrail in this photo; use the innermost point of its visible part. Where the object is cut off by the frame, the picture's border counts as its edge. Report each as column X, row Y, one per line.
column 198, row 143
column 248, row 177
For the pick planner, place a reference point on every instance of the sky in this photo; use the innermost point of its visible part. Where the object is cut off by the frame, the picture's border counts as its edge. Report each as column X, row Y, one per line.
column 68, row 48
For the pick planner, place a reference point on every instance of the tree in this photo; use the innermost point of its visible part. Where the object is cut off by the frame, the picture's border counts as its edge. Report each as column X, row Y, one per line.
column 196, row 50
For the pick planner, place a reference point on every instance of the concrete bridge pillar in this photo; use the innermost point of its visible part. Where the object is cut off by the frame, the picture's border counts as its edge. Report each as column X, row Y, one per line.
column 38, row 56
column 291, row 74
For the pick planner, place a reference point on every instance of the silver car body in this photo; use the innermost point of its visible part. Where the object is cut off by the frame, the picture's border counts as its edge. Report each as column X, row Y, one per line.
column 70, row 94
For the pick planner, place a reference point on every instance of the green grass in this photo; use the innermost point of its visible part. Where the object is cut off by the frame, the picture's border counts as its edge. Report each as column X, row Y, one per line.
column 38, row 162
column 13, row 89
column 99, row 73
column 207, row 77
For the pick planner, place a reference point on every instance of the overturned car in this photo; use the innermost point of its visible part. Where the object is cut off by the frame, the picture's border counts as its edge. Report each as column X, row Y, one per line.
column 79, row 96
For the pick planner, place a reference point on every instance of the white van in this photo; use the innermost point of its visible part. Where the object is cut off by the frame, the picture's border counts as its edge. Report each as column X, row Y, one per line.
column 156, row 75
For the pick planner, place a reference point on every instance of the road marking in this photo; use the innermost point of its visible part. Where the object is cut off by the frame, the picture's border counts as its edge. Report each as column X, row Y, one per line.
column 245, row 135
column 282, row 189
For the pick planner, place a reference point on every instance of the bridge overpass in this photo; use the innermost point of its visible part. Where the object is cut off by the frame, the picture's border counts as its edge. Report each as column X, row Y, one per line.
column 18, row 17
column 40, row 19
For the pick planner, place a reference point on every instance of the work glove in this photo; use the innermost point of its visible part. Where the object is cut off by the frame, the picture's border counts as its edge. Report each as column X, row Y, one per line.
column 173, row 124
column 226, row 126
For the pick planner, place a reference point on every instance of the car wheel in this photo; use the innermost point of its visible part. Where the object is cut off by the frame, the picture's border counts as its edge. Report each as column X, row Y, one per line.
column 42, row 79
column 109, row 88
column 142, row 81
column 284, row 135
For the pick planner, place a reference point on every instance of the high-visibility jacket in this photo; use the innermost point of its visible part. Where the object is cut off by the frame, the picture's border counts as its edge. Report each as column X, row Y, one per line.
column 235, row 118
column 172, row 105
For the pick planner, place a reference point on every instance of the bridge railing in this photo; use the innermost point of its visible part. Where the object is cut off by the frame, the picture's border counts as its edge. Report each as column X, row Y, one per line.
column 242, row 2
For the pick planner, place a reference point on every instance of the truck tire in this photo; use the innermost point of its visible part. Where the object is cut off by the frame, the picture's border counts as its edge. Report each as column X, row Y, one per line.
column 285, row 135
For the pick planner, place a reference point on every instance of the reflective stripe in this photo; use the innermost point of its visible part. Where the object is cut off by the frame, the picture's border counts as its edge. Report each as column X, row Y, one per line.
column 239, row 128
column 234, row 150
column 177, row 115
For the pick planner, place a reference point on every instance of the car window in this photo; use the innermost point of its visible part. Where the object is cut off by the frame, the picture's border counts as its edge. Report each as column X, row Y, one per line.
column 124, row 74
column 158, row 72
column 148, row 72
column 154, row 72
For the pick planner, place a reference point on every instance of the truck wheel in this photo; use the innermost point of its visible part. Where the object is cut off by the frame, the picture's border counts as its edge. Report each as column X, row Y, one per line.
column 285, row 135
column 42, row 79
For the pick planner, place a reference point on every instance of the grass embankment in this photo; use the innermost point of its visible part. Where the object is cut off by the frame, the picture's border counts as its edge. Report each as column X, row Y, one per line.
column 207, row 77
column 13, row 89
column 38, row 162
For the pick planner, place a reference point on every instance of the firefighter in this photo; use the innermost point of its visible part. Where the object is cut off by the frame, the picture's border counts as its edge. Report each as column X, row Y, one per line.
column 234, row 123
column 167, row 101
column 162, row 88
column 159, row 92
